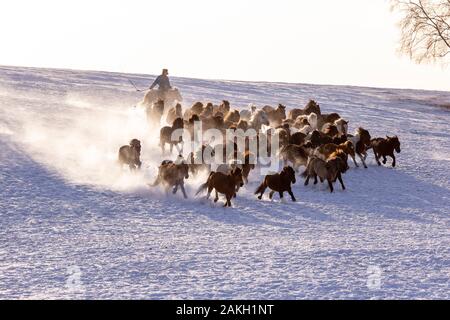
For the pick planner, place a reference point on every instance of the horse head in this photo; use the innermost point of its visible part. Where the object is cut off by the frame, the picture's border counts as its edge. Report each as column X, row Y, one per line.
column 289, row 172
column 236, row 173
column 135, row 144
column 395, row 142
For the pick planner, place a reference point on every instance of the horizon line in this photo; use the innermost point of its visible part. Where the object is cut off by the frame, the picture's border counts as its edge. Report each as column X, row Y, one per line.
column 217, row 79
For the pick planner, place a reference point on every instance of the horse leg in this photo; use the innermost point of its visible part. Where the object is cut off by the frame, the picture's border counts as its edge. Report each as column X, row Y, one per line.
column 393, row 158
column 175, row 189
column 292, row 195
column 217, row 197
column 171, row 148
column 384, row 159
column 263, row 189
column 281, row 195
column 315, row 179
column 354, row 160
column 183, row 190
column 377, row 157
column 228, row 201
column 362, row 160
column 163, row 147
column 341, row 181
column 307, row 180
column 210, row 189
column 365, row 155
column 330, row 184
column 271, row 194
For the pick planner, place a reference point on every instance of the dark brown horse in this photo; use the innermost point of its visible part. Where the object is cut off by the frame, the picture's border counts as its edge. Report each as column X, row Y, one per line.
column 226, row 184
column 280, row 182
column 130, row 155
column 318, row 138
column 385, row 147
column 297, row 138
column 165, row 135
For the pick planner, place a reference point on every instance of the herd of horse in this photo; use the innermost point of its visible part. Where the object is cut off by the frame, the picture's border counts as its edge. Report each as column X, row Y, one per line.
column 306, row 137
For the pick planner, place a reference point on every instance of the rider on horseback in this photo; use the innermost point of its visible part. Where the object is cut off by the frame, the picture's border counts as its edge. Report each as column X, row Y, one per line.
column 162, row 81
column 165, row 92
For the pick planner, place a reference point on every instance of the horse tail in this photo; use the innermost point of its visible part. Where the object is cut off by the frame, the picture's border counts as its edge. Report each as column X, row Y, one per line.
column 157, row 181
column 305, row 173
column 261, row 187
column 202, row 188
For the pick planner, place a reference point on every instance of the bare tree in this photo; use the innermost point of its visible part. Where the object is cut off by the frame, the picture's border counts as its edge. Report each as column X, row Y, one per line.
column 425, row 29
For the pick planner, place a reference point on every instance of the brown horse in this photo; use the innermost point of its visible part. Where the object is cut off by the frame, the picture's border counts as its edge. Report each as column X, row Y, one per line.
column 213, row 122
column 275, row 116
column 207, row 111
column 172, row 175
column 330, row 130
column 173, row 113
column 385, row 147
column 311, row 107
column 223, row 108
column 233, row 116
column 226, row 184
column 325, row 151
column 327, row 118
column 190, row 124
column 197, row 162
column 165, row 135
column 297, row 138
column 280, row 182
column 155, row 112
column 295, row 154
column 249, row 160
column 130, row 155
column 361, row 143
column 196, row 109
column 326, row 170
column 318, row 138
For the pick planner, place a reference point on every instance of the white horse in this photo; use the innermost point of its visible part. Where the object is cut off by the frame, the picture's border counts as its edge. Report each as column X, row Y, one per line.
column 312, row 120
column 170, row 97
column 342, row 126
column 246, row 114
column 258, row 119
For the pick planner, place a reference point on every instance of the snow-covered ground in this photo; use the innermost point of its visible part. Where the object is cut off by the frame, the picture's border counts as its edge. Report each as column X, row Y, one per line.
column 72, row 225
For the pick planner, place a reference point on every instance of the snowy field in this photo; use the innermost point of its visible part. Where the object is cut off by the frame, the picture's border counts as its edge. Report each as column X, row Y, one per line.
column 75, row 226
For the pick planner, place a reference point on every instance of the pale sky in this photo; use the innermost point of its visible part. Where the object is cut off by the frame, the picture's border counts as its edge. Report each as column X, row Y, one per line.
column 349, row 42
